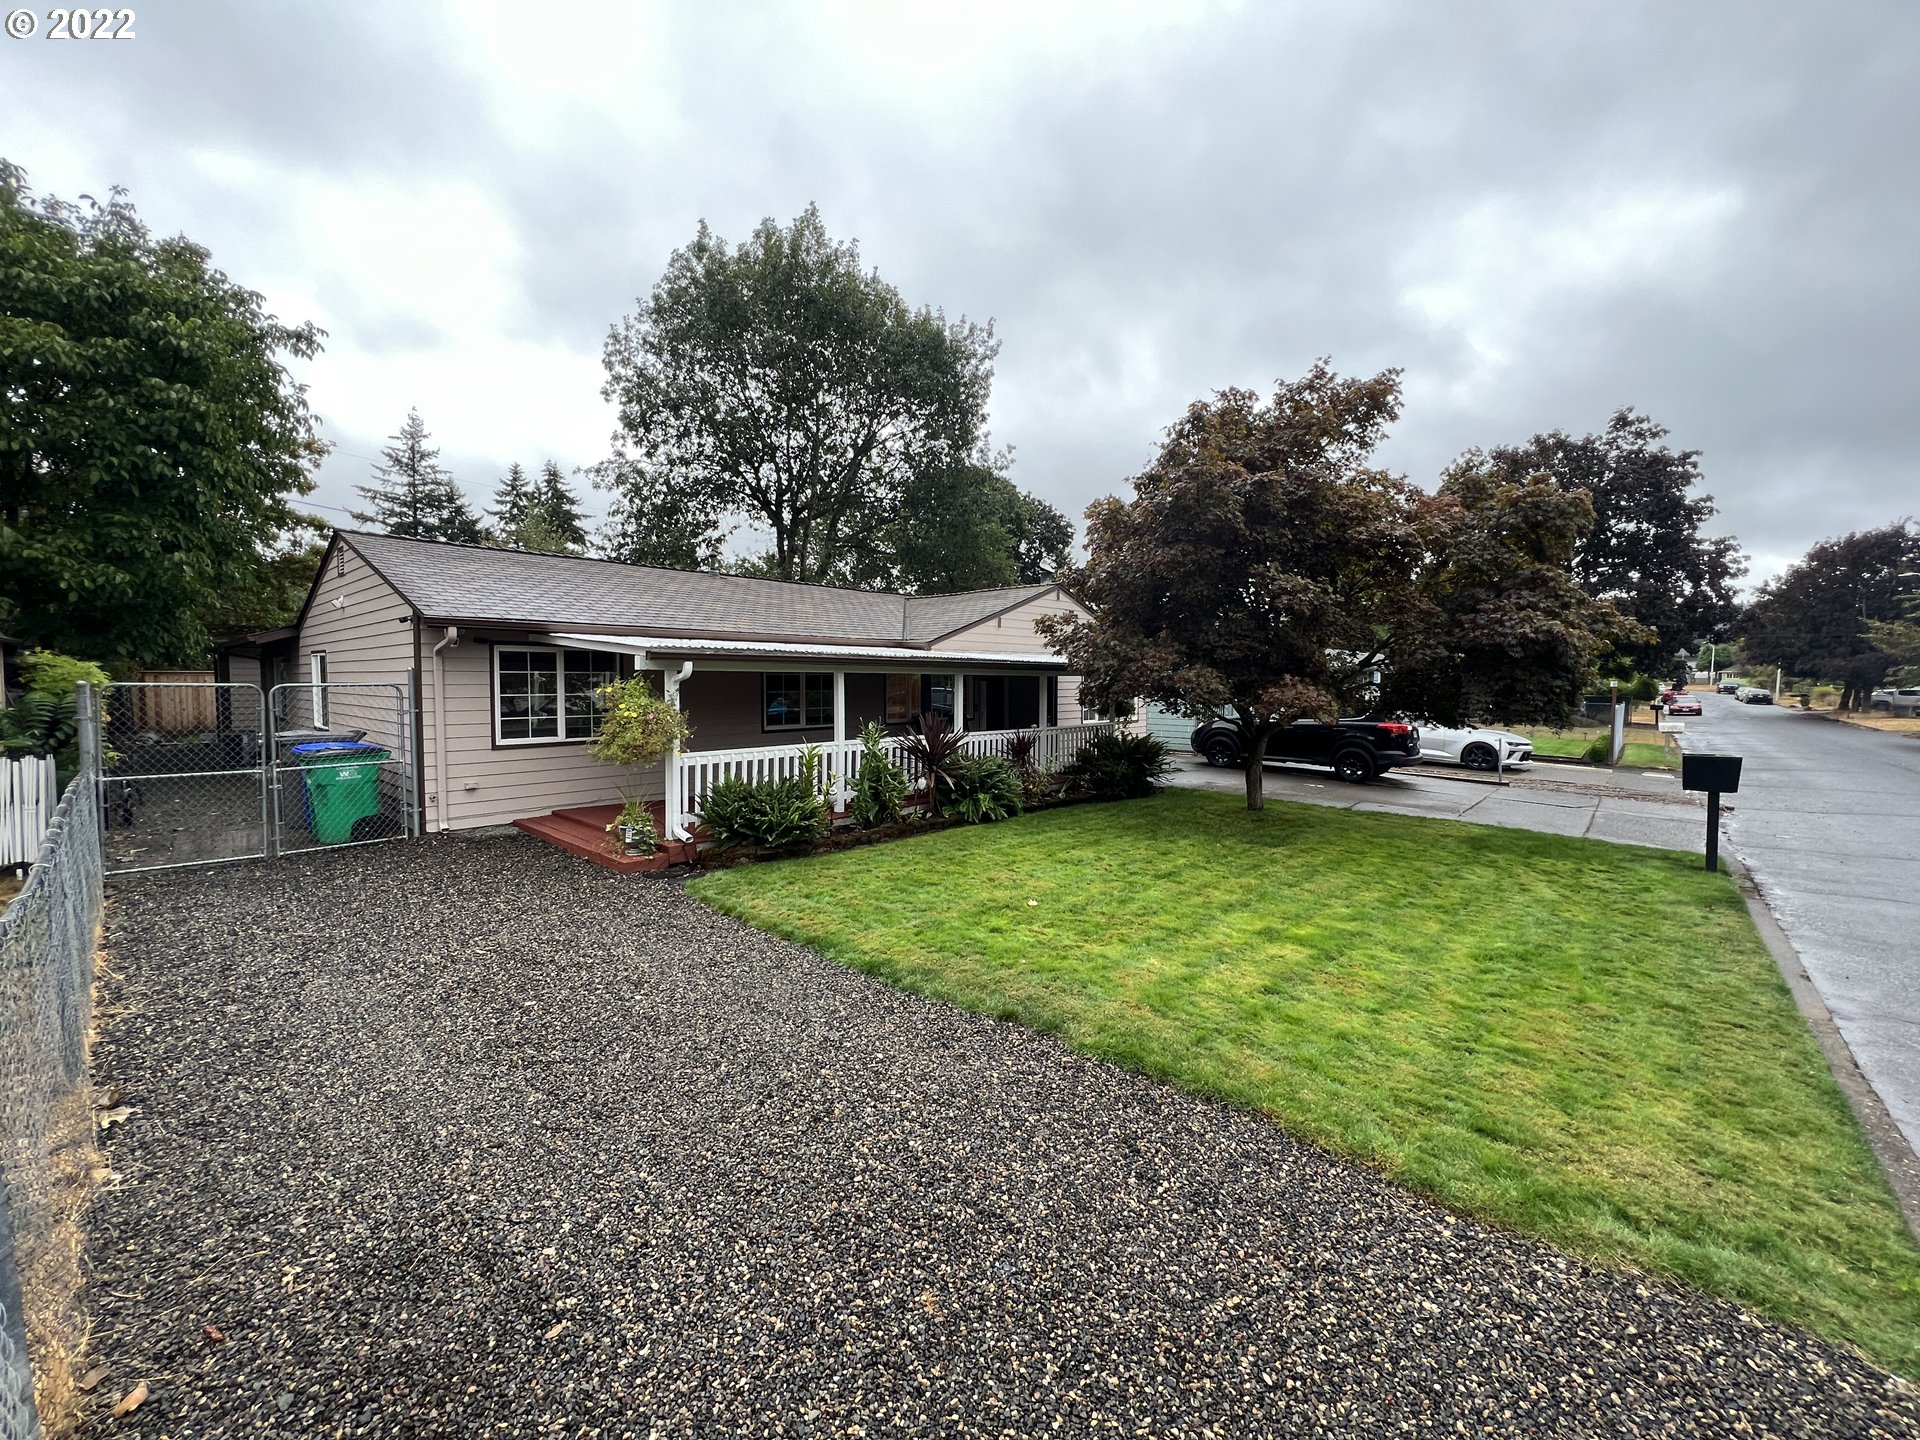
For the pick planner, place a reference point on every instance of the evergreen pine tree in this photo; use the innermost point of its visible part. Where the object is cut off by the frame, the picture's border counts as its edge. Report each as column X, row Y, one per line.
column 412, row 496
column 559, row 508
column 513, row 502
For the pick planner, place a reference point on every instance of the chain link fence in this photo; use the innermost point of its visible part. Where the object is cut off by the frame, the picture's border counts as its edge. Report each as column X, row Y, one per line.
column 184, row 775
column 341, row 768
column 47, row 942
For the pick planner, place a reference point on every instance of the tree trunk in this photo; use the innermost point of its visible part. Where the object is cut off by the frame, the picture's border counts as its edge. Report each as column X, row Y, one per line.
column 1257, row 773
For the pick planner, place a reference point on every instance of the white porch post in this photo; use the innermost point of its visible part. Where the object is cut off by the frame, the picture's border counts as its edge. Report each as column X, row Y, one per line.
column 959, row 704
column 670, row 802
column 841, row 794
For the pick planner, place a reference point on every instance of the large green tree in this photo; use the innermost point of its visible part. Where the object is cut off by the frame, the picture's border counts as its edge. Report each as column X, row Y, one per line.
column 412, row 495
column 967, row 528
column 651, row 522
column 513, row 500
column 557, row 509
column 152, row 441
column 273, row 587
column 780, row 387
column 1825, row 617
column 1497, row 628
column 1645, row 550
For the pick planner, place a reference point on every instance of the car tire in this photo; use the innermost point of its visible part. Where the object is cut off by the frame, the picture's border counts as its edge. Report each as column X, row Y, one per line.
column 1479, row 757
column 1356, row 767
column 1222, row 752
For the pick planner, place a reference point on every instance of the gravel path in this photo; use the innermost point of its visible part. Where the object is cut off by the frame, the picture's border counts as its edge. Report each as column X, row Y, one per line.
column 468, row 1138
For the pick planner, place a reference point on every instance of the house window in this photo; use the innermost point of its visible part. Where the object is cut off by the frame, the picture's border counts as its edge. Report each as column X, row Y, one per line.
column 796, row 702
column 317, row 688
column 939, row 693
column 548, row 695
column 903, row 698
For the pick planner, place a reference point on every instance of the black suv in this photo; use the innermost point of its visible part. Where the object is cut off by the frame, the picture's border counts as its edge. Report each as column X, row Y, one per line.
column 1357, row 750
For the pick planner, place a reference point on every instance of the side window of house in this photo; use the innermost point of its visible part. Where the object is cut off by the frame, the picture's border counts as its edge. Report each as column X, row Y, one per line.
column 792, row 701
column 939, row 693
column 541, row 694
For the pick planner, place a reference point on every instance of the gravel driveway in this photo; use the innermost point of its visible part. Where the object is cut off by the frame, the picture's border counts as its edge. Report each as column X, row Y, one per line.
column 466, row 1137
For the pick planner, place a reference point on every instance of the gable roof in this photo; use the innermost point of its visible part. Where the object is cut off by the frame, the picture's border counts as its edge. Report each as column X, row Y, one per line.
column 480, row 585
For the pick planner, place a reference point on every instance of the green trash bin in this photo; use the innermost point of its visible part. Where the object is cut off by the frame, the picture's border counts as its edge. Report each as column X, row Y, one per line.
column 343, row 786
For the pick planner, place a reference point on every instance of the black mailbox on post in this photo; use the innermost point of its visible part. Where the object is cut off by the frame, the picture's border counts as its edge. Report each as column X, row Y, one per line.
column 1717, row 775
column 1713, row 773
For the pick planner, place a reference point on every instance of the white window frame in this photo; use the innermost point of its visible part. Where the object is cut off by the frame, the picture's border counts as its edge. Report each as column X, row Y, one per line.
column 560, row 696
column 317, row 687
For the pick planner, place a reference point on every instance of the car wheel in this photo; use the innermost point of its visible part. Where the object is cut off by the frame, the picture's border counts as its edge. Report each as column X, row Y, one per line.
column 1356, row 767
column 1479, row 757
column 1222, row 752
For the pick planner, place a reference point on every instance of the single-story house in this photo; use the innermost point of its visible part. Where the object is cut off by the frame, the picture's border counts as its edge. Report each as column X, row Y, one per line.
column 500, row 653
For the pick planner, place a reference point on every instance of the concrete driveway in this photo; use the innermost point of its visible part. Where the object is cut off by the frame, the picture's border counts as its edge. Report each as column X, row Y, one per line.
column 1828, row 822
column 1632, row 807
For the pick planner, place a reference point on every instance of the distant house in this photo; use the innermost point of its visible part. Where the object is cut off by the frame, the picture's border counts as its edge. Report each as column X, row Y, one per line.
column 500, row 653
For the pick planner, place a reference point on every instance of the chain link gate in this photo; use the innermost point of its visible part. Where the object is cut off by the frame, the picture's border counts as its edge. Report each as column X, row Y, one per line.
column 199, row 772
column 182, row 774
column 340, row 770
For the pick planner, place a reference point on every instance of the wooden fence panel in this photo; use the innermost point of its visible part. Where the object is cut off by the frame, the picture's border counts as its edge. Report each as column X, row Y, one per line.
column 173, row 702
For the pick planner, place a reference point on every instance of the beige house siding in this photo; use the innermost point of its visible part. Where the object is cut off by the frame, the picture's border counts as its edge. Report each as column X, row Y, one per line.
column 489, row 785
column 366, row 632
column 1013, row 633
column 243, row 670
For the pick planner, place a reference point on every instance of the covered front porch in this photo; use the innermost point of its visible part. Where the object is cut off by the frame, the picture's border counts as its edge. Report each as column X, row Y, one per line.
column 759, row 709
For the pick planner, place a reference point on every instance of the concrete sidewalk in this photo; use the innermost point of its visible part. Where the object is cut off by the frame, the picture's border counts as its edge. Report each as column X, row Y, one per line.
column 1631, row 807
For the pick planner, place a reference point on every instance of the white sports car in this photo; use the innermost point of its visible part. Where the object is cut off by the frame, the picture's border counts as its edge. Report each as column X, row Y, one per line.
column 1475, row 747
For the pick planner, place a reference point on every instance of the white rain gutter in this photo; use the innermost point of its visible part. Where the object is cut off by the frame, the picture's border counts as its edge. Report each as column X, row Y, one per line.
column 932, row 660
column 451, row 637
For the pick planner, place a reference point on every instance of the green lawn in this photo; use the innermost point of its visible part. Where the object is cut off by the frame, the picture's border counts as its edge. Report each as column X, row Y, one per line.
column 1572, row 744
column 1584, row 1041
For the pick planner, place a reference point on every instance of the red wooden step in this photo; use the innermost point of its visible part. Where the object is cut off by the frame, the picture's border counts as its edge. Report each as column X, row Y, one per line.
column 582, row 831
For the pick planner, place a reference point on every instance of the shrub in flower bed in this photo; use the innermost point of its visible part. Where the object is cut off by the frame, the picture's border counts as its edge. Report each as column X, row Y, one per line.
column 771, row 814
column 1118, row 766
column 982, row 788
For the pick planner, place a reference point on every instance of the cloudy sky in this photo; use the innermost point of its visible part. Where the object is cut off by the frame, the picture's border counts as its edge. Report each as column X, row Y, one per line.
column 1540, row 212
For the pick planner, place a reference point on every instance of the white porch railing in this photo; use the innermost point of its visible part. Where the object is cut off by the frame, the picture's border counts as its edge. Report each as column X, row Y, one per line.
column 28, row 793
column 700, row 770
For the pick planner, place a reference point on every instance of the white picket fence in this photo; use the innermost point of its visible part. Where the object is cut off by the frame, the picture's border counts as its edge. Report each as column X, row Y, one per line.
column 700, row 770
column 29, row 790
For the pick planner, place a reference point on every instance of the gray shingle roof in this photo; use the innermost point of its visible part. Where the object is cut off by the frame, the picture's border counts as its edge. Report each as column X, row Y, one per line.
column 477, row 584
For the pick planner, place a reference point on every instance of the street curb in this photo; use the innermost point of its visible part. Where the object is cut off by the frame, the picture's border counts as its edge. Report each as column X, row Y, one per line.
column 1889, row 1144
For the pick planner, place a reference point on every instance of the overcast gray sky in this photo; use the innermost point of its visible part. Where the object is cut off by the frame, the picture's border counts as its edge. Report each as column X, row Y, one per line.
column 1541, row 212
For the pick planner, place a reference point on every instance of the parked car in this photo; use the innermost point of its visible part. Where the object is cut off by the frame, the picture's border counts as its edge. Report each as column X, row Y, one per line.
column 1671, row 694
column 1475, row 747
column 1684, row 705
column 1902, row 701
column 1356, row 750
column 1728, row 687
column 1753, row 695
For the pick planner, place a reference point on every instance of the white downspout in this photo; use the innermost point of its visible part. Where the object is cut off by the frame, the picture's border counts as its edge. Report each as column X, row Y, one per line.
column 451, row 637
column 670, row 682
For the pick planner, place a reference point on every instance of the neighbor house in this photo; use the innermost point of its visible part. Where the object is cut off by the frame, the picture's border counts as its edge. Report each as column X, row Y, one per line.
column 496, row 656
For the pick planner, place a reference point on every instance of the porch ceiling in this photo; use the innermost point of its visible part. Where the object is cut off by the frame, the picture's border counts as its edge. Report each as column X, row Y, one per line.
column 855, row 656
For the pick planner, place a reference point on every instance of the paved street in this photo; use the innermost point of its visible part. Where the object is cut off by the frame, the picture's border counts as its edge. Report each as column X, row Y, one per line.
column 1828, row 821
column 1633, row 807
